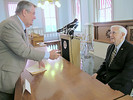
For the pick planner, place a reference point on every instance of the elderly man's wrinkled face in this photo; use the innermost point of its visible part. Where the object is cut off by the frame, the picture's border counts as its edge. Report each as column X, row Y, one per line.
column 30, row 16
column 116, row 36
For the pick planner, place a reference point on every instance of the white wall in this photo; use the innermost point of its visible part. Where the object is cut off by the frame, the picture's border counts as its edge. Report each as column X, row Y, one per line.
column 100, row 49
column 123, row 9
column 64, row 12
column 91, row 11
column 85, row 12
column 38, row 22
column 2, row 11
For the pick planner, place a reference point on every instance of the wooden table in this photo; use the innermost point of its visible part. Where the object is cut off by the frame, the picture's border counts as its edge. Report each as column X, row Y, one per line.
column 36, row 38
column 63, row 81
column 54, row 42
column 126, row 97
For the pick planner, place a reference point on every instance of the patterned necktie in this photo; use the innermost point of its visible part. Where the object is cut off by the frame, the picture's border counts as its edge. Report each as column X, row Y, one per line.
column 25, row 31
column 113, row 55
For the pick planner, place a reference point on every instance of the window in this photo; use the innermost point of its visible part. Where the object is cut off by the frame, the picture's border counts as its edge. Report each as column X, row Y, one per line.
column 12, row 8
column 104, row 10
column 76, row 12
column 50, row 18
column 78, row 16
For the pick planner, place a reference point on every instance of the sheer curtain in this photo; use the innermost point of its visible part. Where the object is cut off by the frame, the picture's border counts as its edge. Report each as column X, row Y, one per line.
column 103, row 10
column 73, row 6
column 12, row 8
column 76, row 12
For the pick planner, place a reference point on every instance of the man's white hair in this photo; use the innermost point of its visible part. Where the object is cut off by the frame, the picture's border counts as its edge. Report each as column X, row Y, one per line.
column 121, row 29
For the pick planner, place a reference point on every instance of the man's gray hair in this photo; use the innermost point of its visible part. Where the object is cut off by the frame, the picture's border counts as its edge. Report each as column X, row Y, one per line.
column 24, row 5
column 121, row 29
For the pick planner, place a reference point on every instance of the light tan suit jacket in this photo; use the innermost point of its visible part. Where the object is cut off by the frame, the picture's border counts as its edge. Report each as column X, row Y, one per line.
column 14, row 52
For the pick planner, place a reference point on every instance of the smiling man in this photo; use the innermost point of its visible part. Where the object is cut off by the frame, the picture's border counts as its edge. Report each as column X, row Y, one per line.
column 117, row 68
column 15, row 48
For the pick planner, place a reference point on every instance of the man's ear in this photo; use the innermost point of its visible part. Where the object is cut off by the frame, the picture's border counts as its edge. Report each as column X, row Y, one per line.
column 24, row 12
column 123, row 34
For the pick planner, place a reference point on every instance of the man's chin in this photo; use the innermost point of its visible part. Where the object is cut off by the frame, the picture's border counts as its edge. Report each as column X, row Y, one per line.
column 29, row 25
column 112, row 41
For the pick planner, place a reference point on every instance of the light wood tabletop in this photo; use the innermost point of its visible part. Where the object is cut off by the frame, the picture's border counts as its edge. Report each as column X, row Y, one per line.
column 62, row 81
column 126, row 97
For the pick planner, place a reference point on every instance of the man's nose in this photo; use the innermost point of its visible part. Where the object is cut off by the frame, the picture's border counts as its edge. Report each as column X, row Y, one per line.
column 110, row 34
column 34, row 17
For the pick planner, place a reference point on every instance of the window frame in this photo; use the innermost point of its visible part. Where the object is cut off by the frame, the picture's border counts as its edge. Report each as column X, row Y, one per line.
column 96, row 9
column 79, row 19
column 56, row 15
column 11, row 2
column 73, row 7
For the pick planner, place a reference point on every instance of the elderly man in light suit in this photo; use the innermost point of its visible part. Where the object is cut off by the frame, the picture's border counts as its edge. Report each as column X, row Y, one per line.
column 15, row 48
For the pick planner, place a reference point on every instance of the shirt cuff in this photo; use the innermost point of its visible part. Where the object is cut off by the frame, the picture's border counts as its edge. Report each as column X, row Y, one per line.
column 47, row 55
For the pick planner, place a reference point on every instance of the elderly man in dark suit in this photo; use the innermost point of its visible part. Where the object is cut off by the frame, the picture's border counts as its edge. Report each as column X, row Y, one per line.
column 117, row 68
column 15, row 48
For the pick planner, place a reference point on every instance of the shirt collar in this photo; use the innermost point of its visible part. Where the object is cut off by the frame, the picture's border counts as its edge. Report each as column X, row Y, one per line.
column 21, row 23
column 118, row 47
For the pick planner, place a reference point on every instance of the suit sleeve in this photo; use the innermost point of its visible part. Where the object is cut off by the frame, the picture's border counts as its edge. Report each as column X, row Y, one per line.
column 104, row 64
column 13, row 39
column 124, row 80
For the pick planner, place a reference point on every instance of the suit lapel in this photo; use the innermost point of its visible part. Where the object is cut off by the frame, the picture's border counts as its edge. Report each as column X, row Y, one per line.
column 26, row 38
column 121, row 50
column 109, row 53
column 118, row 56
column 20, row 28
column 119, row 53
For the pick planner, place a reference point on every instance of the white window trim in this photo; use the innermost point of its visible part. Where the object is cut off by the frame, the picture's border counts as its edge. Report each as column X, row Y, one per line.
column 96, row 8
column 73, row 13
column 57, row 20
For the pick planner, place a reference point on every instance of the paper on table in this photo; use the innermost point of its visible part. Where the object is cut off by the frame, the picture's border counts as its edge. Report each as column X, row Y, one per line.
column 34, row 69
column 26, row 86
column 42, row 44
column 131, row 94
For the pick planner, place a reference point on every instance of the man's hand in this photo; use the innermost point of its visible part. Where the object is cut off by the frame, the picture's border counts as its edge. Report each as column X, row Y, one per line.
column 107, row 85
column 54, row 54
column 41, row 64
column 94, row 76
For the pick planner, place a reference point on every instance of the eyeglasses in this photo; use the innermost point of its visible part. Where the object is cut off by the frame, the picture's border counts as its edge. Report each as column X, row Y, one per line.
column 33, row 13
column 110, row 32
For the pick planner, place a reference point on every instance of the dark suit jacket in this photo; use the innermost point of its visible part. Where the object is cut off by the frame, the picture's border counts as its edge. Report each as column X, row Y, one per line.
column 119, row 75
